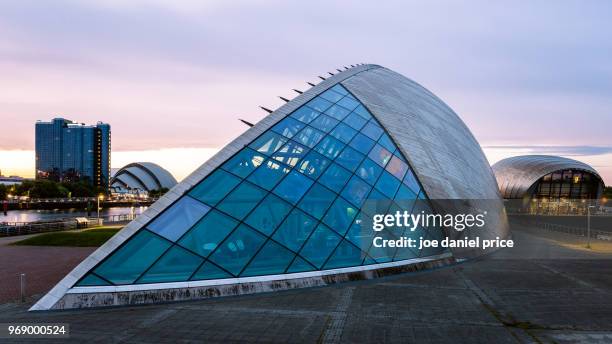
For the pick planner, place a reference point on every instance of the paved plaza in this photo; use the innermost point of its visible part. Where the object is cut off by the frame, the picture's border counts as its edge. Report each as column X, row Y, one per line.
column 547, row 289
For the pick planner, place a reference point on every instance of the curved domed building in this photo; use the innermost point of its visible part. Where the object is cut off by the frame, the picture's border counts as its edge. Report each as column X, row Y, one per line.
column 284, row 204
column 141, row 177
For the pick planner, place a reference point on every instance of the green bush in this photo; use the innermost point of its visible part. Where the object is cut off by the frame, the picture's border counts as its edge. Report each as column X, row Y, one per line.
column 88, row 238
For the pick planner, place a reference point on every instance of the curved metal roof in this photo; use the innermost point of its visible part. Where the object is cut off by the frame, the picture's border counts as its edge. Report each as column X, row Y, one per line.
column 516, row 175
column 145, row 176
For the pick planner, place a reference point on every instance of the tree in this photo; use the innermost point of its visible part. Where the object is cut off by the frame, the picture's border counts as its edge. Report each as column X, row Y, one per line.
column 3, row 191
column 157, row 193
column 608, row 192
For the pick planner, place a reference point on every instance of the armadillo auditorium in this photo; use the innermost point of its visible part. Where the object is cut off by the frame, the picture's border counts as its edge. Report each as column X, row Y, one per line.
column 279, row 207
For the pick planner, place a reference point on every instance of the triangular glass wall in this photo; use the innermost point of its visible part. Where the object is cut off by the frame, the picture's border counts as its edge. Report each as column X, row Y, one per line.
column 289, row 202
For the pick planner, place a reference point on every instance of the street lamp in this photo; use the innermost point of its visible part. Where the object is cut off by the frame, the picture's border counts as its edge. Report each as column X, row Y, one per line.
column 100, row 198
column 588, row 245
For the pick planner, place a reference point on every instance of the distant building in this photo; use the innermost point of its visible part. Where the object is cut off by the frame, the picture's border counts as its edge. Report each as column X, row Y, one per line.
column 68, row 151
column 139, row 178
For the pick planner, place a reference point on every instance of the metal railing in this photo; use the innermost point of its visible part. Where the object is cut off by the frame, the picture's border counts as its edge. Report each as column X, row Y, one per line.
column 578, row 231
column 23, row 228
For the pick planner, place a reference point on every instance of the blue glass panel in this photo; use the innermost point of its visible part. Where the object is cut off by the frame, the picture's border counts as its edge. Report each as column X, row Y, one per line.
column 376, row 203
column 177, row 219
column 319, row 104
column 422, row 195
column 356, row 191
column 386, row 142
column 359, row 235
column 212, row 189
column 362, row 143
column 317, row 200
column 387, row 184
column 244, row 162
column 345, row 255
column 340, row 215
column 240, row 201
column 268, row 143
column 288, row 127
column 269, row 174
column 268, row 214
column 380, row 155
column 436, row 234
column 208, row 271
column 92, row 280
column 363, row 112
column 133, row 258
column 330, row 147
column 294, row 231
column 411, row 182
column 176, row 265
column 405, row 197
column 290, row 153
column 313, row 164
column 320, row 245
column 205, row 236
column 369, row 261
column 337, row 112
column 331, row 96
column 238, row 249
column 383, row 254
column 355, row 121
column 338, row 88
column 335, row 177
column 369, row 171
column 324, row 123
column 293, row 187
column 305, row 114
column 272, row 259
column 343, row 132
column 397, row 167
column 373, row 131
column 350, row 159
column 309, row 136
column 348, row 102
column 300, row 265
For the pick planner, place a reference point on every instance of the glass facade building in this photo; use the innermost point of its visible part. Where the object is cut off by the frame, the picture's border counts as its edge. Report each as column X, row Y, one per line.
column 67, row 151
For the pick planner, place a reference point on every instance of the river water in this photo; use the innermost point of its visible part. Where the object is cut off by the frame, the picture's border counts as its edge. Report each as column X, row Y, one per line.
column 46, row 215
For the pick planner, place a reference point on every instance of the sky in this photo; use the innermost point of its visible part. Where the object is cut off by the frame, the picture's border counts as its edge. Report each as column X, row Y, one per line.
column 173, row 77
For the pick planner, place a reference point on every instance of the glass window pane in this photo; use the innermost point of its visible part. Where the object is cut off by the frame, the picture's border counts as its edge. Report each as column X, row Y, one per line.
column 317, row 200
column 360, row 235
column 372, row 130
column 345, row 255
column 210, row 271
column 269, row 174
column 363, row 112
column 294, row 231
column 350, row 159
column 176, row 220
column 320, row 245
column 293, row 187
column 319, row 104
column 355, row 121
column 207, row 234
column 133, row 258
column 212, row 189
column 313, row 164
column 176, row 265
column 387, row 184
column 330, row 147
column 380, row 155
column 411, row 182
column 337, row 112
column 238, row 249
column 92, row 280
column 386, row 142
column 268, row 214
column 340, row 216
column 369, row 171
column 268, row 143
column 300, row 265
column 288, row 127
column 324, row 123
column 240, row 201
column 362, row 143
column 340, row 89
column 290, row 153
column 309, row 136
column 305, row 114
column 405, row 194
column 335, row 177
column 243, row 163
column 356, row 191
column 272, row 259
column 348, row 102
column 397, row 167
column 343, row 132
column 331, row 95
column 376, row 203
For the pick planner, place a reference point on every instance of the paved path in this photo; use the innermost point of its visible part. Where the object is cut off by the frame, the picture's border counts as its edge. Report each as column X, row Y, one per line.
column 542, row 291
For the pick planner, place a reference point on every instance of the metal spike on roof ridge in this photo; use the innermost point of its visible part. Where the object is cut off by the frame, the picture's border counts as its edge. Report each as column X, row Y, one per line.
column 311, row 84
column 330, row 73
column 246, row 122
column 338, row 70
column 266, row 109
column 322, row 78
column 285, row 99
column 298, row 91
column 352, row 66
